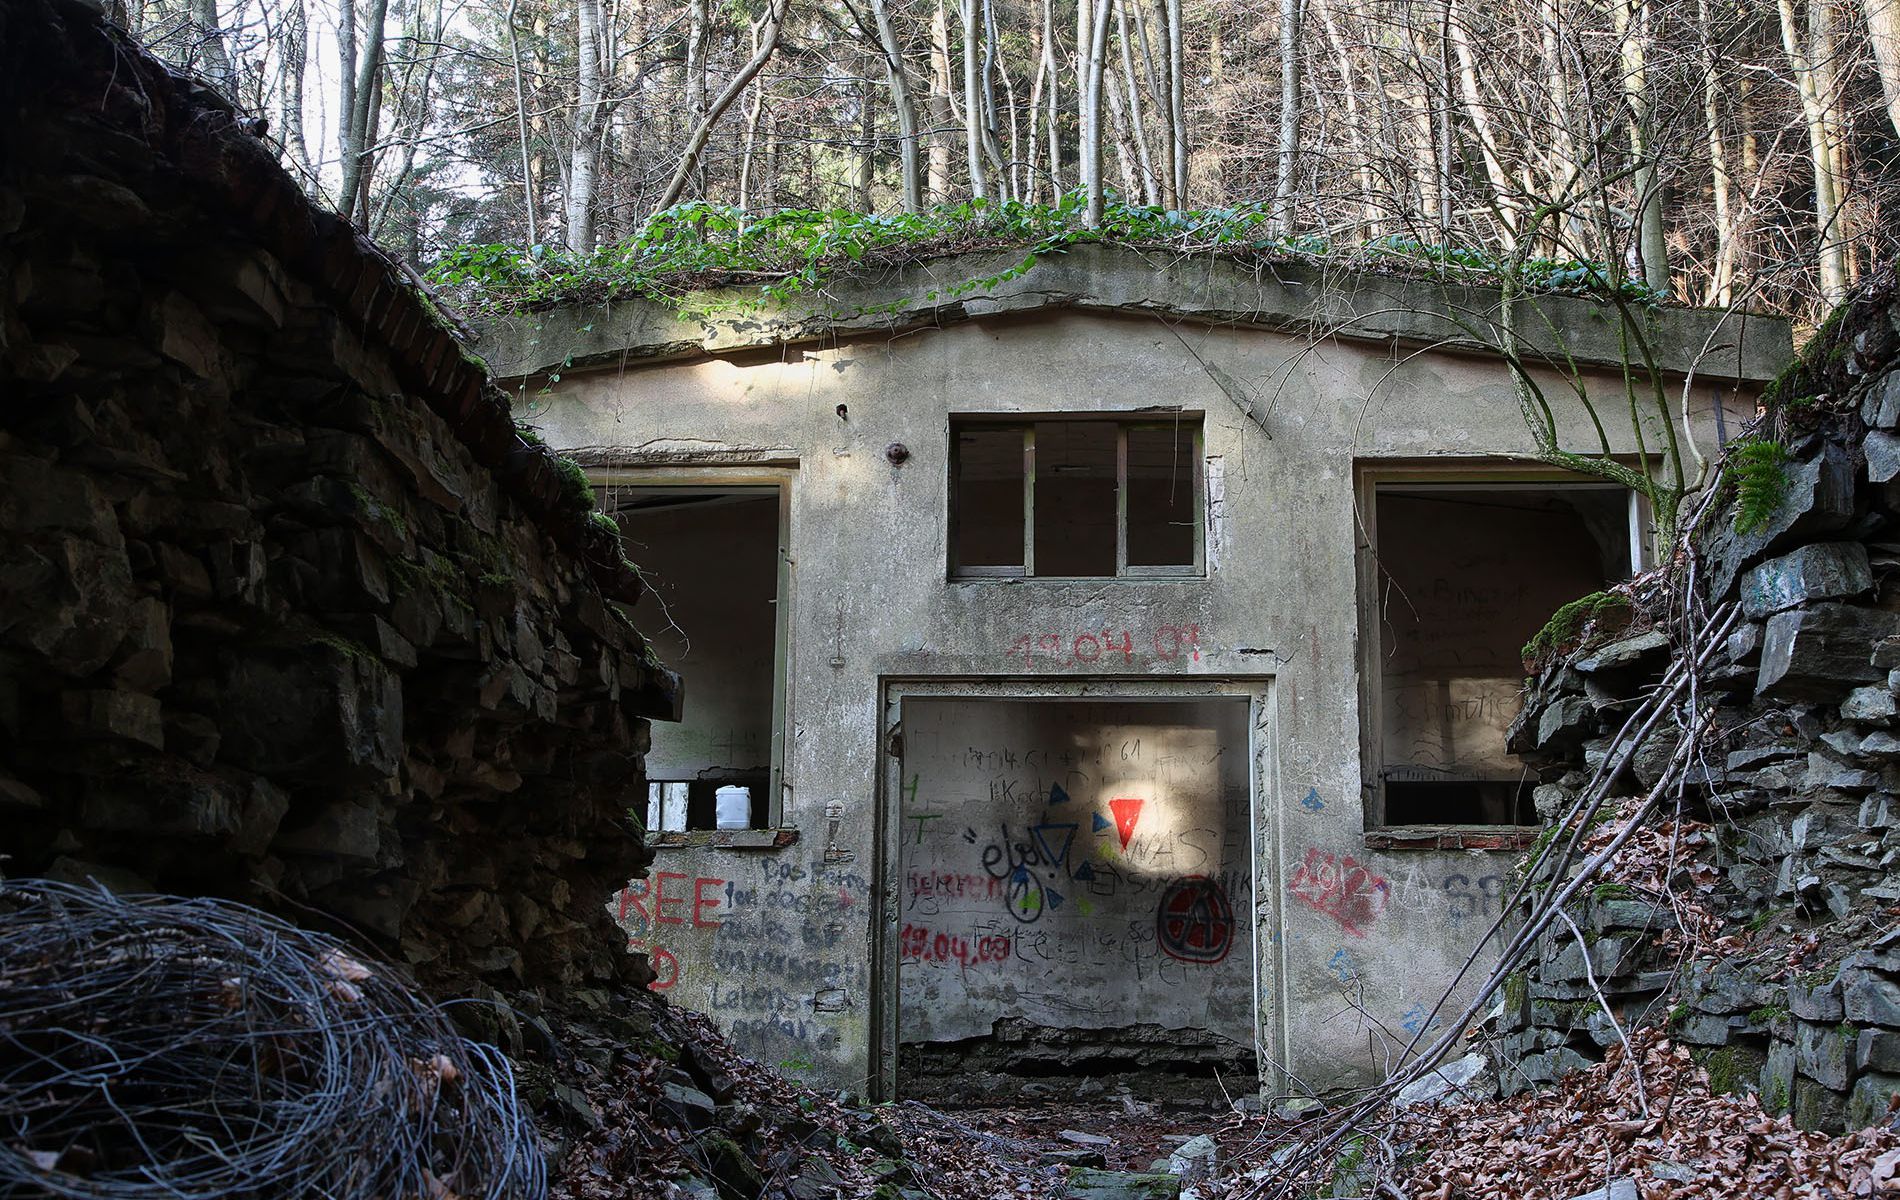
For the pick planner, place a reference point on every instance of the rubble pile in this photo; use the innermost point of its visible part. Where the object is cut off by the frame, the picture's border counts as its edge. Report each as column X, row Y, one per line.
column 1760, row 923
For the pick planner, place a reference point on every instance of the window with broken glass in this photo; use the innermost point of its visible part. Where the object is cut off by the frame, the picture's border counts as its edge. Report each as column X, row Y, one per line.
column 1064, row 497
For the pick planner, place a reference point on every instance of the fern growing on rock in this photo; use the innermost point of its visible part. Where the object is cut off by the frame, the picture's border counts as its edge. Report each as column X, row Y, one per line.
column 1761, row 481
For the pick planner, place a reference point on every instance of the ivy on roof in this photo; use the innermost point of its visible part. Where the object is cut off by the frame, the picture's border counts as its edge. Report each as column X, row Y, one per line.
column 791, row 252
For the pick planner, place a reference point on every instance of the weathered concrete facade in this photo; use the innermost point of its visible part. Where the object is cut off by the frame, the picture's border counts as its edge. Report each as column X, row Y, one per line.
column 1304, row 396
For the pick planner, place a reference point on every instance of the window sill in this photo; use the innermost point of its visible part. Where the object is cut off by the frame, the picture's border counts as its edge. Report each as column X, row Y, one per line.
column 723, row 839
column 1187, row 575
column 1453, row 837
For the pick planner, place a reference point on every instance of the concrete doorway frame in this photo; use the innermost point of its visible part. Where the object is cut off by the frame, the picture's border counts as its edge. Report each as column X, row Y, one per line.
column 1263, row 851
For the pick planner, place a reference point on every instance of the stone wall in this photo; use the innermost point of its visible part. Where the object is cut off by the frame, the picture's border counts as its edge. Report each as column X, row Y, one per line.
column 1760, row 924
column 291, row 612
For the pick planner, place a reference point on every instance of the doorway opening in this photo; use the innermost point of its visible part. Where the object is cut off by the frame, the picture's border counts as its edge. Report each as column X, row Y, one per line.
column 1075, row 897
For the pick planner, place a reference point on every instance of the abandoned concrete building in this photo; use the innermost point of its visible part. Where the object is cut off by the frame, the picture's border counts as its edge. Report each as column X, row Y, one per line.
column 1105, row 671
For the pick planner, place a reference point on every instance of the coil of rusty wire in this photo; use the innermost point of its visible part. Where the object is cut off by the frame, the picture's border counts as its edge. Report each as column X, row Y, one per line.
column 157, row 1046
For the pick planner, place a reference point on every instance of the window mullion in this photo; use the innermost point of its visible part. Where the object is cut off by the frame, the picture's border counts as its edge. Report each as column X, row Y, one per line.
column 1029, row 500
column 1121, row 500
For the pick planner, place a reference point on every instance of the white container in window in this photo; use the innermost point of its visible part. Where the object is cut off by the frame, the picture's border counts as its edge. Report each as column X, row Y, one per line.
column 732, row 807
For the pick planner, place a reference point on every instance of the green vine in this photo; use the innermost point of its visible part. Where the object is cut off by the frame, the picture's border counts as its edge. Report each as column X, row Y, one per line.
column 793, row 252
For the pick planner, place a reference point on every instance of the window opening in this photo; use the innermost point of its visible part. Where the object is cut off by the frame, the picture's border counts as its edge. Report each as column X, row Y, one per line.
column 1466, row 574
column 710, row 558
column 1076, row 498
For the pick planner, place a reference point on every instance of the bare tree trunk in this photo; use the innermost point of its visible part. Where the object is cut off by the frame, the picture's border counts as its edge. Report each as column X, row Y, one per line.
column 773, row 23
column 1502, row 189
column 1883, row 35
column 1361, row 155
column 992, row 137
column 867, row 151
column 1291, row 12
column 1829, row 256
column 912, row 186
column 521, row 123
column 974, row 118
column 750, row 154
column 942, row 117
column 1721, row 277
column 296, row 52
column 1632, row 27
column 1177, row 101
column 1093, row 50
column 1150, row 187
column 585, row 158
column 214, row 60
column 1051, row 63
column 359, row 128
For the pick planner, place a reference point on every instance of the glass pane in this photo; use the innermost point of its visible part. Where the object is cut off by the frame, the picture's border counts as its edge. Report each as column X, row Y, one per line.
column 1075, row 498
column 1161, row 497
column 989, row 497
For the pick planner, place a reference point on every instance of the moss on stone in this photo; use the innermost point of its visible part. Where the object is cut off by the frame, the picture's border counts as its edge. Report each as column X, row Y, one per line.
column 1568, row 625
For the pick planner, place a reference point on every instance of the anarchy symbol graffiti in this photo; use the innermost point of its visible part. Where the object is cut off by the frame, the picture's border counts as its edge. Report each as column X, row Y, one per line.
column 1194, row 922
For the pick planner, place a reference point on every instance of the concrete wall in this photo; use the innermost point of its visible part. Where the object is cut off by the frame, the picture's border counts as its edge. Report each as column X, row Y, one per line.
column 1355, row 942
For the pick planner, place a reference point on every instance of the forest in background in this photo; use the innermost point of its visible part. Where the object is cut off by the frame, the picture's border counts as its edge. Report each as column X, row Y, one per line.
column 1715, row 151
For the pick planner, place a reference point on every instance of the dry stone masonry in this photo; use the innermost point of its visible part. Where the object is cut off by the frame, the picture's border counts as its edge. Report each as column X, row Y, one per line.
column 1773, row 948
column 292, row 612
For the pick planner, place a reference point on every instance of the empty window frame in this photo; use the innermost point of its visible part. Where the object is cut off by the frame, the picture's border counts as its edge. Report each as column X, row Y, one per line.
column 1069, row 497
column 712, row 556
column 1463, row 575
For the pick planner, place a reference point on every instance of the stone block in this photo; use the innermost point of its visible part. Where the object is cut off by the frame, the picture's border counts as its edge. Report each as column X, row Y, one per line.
column 1819, row 571
column 126, row 716
column 1777, row 1078
column 344, row 829
column 1809, row 654
column 1880, row 407
column 1872, row 1100
column 1877, row 1050
column 1883, row 456
column 1467, row 1078
column 1818, row 1107
column 145, row 655
column 1866, row 998
column 1565, row 722
column 1821, row 1004
column 1872, row 705
column 1819, row 498
column 1627, row 652
column 1825, row 1054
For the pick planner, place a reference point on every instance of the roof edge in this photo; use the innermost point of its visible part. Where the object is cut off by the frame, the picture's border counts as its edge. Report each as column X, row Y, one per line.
column 1314, row 301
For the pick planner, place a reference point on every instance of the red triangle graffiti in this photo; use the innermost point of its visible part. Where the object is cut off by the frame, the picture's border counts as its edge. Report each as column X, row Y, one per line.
column 1127, row 811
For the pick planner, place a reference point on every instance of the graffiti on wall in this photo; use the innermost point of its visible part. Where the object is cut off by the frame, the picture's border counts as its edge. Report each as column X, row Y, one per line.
column 1164, row 644
column 1342, row 888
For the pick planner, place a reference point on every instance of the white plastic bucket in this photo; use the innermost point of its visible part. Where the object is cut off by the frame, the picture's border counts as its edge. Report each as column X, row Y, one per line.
column 732, row 807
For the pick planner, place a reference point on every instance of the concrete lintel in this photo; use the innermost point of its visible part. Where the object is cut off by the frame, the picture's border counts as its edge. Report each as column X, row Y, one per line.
column 1292, row 297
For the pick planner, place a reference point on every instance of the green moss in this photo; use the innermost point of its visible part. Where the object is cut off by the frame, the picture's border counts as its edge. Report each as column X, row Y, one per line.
column 1726, row 1069
column 378, row 511
column 347, row 647
column 574, row 485
column 1517, row 991
column 1567, row 625
column 1611, row 891
column 1768, row 1014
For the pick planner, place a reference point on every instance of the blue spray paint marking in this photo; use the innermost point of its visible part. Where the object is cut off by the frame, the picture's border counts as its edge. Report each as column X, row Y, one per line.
column 1084, row 873
column 1057, row 795
column 1049, row 855
column 1101, row 823
column 1051, row 897
column 1019, row 875
column 1413, row 1021
column 1312, row 803
column 1342, row 966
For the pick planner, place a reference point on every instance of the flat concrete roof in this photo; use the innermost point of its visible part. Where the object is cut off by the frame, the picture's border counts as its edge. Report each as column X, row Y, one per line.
column 1303, row 299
